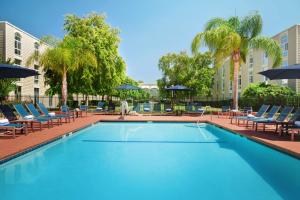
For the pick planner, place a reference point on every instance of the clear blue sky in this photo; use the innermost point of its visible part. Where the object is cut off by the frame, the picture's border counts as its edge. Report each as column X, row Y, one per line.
column 149, row 28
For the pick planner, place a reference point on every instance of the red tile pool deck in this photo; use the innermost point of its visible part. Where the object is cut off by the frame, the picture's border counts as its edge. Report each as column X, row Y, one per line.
column 10, row 147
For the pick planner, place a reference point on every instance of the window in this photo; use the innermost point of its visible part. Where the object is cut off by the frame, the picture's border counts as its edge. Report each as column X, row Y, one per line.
column 223, row 71
column 36, row 95
column 18, row 92
column 36, row 78
column 251, row 76
column 18, row 62
column 240, row 81
column 223, row 85
column 230, row 85
column 250, row 69
column 50, row 101
column 17, row 44
column 36, row 49
column 265, row 59
column 251, row 59
column 284, row 44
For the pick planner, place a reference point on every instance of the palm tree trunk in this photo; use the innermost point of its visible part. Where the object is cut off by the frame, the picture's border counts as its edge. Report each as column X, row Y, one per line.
column 236, row 65
column 64, row 91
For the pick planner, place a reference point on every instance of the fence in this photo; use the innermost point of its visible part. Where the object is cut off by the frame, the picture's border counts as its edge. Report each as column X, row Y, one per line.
column 53, row 102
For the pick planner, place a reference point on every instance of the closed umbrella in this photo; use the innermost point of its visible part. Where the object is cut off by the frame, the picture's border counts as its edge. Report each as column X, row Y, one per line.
column 14, row 71
column 288, row 72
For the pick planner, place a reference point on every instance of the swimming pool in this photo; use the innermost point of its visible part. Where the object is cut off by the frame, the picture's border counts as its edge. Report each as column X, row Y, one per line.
column 151, row 161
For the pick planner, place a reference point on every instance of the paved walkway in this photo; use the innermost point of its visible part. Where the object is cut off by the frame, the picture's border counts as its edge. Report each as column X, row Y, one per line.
column 10, row 147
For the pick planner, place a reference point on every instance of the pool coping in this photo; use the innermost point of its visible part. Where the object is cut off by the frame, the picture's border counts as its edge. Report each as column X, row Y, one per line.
column 255, row 139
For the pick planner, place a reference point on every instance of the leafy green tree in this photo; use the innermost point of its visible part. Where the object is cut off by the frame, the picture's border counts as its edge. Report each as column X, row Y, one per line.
column 262, row 93
column 68, row 55
column 104, row 40
column 181, row 69
column 134, row 94
column 6, row 84
column 262, row 90
column 232, row 38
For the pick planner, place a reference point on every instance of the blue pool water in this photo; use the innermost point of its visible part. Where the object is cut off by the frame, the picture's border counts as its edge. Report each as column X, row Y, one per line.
column 152, row 161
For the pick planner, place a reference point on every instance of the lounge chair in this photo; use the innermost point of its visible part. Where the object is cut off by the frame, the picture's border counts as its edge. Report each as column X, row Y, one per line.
column 291, row 125
column 246, row 110
column 270, row 116
column 146, row 107
column 189, row 108
column 111, row 107
column 37, row 114
column 8, row 126
column 45, row 111
column 270, row 121
column 199, row 110
column 262, row 110
column 72, row 113
column 100, row 106
column 224, row 110
column 9, row 114
column 168, row 108
column 84, row 108
column 137, row 108
column 26, row 116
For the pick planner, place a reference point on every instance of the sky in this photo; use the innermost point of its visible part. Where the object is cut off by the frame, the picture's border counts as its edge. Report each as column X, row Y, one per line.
column 149, row 29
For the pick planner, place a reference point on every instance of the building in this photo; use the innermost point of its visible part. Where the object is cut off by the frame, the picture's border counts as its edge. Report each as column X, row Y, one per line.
column 151, row 88
column 18, row 45
column 257, row 61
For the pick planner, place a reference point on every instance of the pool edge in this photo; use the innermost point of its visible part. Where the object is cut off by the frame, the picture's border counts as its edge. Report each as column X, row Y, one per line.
column 254, row 139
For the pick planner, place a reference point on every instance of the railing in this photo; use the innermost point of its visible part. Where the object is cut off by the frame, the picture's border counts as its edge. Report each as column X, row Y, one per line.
column 53, row 102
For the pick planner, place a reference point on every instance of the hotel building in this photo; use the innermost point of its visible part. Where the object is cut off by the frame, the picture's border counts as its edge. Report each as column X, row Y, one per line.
column 258, row 61
column 18, row 45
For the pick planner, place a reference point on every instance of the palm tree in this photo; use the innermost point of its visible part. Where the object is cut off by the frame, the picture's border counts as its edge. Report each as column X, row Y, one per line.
column 232, row 39
column 70, row 54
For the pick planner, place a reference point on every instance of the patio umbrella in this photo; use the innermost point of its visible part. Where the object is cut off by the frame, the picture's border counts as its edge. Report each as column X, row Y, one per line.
column 177, row 88
column 127, row 87
column 14, row 71
column 288, row 72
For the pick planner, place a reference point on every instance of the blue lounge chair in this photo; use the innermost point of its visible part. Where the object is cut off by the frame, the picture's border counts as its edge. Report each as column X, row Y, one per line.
column 290, row 124
column 45, row 111
column 189, row 108
column 168, row 108
column 270, row 115
column 9, row 114
column 157, row 107
column 37, row 114
column 67, row 111
column 146, row 107
column 271, row 121
column 13, row 127
column 100, row 106
column 137, row 108
column 84, row 108
column 262, row 110
column 24, row 114
column 224, row 110
column 199, row 110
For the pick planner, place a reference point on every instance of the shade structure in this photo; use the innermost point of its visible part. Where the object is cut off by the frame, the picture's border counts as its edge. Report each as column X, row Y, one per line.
column 288, row 72
column 178, row 87
column 127, row 87
column 14, row 71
